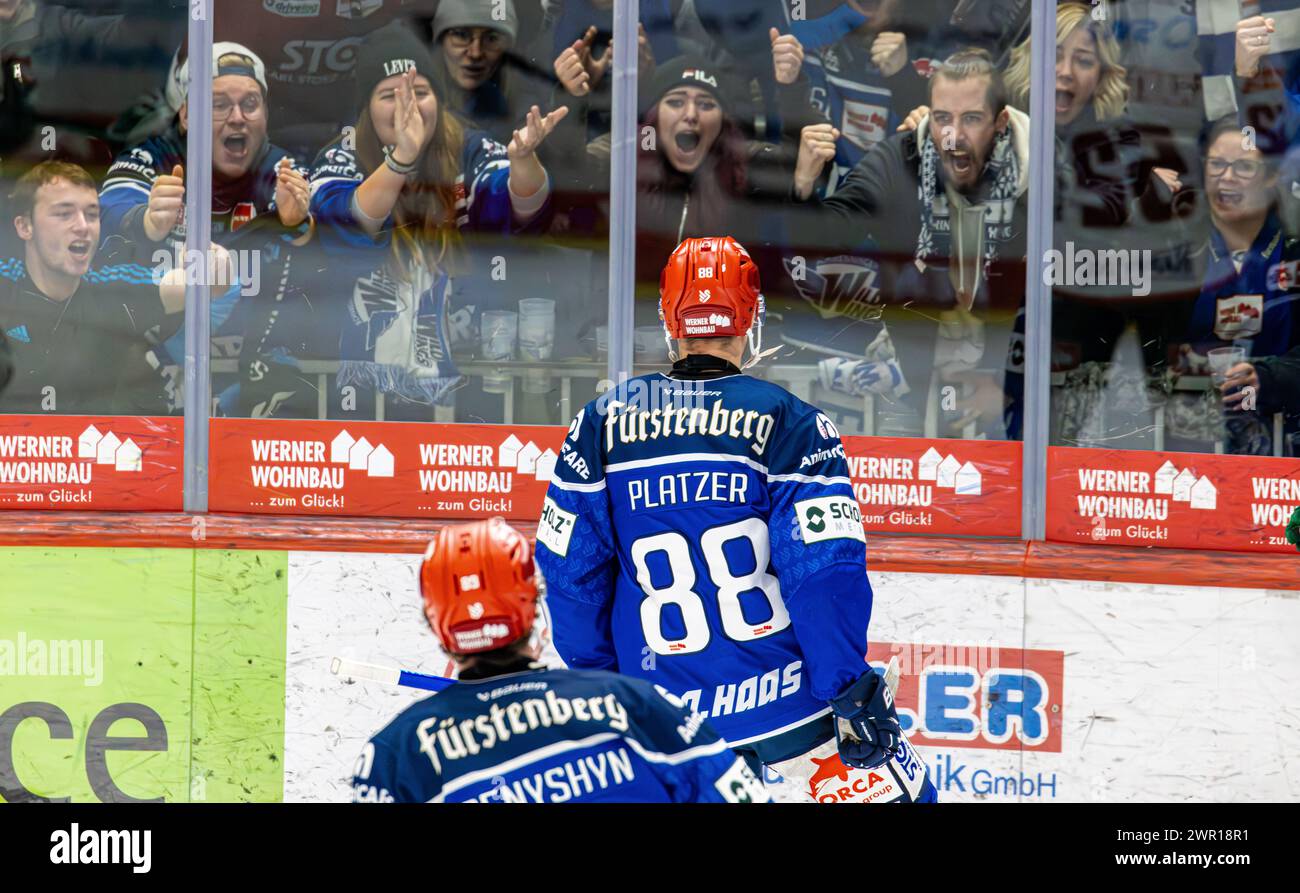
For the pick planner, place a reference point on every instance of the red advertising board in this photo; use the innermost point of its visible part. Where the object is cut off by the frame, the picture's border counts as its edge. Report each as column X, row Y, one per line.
column 416, row 470
column 978, row 695
column 1177, row 500
column 395, row 469
column 91, row 463
column 921, row 485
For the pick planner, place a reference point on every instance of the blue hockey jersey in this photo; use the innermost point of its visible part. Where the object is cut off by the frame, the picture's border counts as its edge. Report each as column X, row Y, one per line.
column 704, row 535
column 551, row 736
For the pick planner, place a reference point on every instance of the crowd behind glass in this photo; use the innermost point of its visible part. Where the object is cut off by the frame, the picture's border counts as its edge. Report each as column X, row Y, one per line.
column 411, row 204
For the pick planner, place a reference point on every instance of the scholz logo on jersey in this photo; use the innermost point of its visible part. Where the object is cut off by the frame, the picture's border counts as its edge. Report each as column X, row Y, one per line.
column 555, row 528
column 829, row 518
column 826, row 428
column 739, row 785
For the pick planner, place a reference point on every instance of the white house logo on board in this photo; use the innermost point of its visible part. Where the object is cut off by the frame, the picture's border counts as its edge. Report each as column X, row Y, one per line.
column 1184, row 485
column 360, row 455
column 109, row 449
column 950, row 473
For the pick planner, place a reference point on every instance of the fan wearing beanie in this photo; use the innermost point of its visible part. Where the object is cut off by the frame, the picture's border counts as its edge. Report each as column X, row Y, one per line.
column 474, row 38
column 476, row 66
column 699, row 175
column 391, row 197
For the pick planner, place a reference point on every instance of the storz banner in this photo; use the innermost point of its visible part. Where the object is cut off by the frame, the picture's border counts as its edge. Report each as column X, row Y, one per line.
column 91, row 463
column 397, row 469
column 1177, row 500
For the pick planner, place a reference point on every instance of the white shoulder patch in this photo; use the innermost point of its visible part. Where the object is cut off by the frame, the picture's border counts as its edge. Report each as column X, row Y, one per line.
column 555, row 528
column 739, row 785
column 829, row 518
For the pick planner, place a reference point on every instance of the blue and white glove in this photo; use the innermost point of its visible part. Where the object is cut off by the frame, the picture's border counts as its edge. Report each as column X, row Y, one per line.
column 866, row 725
column 859, row 377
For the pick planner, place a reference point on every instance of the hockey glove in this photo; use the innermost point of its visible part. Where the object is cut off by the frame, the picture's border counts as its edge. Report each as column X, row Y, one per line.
column 866, row 726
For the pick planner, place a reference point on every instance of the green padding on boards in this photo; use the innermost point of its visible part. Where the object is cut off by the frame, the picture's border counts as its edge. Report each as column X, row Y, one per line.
column 239, row 655
column 101, row 660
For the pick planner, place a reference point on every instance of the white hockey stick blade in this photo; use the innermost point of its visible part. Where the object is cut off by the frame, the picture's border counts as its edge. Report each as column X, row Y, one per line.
column 352, row 669
column 892, row 673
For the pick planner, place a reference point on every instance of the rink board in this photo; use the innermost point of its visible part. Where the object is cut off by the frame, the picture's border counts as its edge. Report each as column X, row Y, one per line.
column 1165, row 692
column 143, row 674
column 1013, row 688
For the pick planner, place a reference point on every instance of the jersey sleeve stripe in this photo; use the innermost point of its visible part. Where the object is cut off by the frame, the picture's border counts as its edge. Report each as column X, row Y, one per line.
column 811, row 479
column 685, row 457
column 674, row 759
column 317, row 183
column 785, row 728
column 520, row 761
column 594, row 487
column 120, row 183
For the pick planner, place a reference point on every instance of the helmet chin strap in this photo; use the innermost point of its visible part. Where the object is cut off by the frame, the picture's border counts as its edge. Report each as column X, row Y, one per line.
column 754, row 337
column 757, row 354
column 672, row 345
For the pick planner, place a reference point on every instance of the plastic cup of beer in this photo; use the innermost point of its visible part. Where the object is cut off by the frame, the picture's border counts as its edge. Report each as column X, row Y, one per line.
column 536, row 329
column 498, row 330
column 1222, row 359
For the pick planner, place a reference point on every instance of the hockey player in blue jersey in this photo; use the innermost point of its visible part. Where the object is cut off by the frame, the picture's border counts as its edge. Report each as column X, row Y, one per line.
column 701, row 533
column 512, row 731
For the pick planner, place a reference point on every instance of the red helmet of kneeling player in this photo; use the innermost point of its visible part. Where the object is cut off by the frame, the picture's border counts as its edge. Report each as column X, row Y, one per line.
column 479, row 586
column 709, row 289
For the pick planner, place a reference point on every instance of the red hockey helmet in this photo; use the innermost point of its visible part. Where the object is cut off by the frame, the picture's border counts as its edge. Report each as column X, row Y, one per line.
column 479, row 586
column 709, row 289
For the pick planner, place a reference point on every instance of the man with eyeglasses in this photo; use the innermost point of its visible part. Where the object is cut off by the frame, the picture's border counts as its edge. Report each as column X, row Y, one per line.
column 143, row 196
column 144, row 192
column 481, row 76
column 473, row 39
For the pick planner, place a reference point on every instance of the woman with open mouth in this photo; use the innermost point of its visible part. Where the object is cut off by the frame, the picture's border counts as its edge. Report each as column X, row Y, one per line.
column 1249, row 274
column 1107, row 188
column 391, row 198
column 697, row 175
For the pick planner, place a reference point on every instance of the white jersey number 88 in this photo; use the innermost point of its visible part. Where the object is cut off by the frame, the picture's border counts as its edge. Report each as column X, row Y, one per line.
column 680, row 589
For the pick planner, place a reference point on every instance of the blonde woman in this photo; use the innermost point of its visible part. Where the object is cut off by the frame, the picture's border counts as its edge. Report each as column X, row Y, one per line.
column 390, row 199
column 1090, row 81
